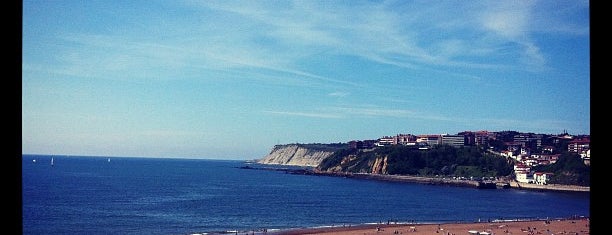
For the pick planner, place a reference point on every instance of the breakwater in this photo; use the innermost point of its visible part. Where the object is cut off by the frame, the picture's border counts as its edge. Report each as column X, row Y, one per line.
column 548, row 187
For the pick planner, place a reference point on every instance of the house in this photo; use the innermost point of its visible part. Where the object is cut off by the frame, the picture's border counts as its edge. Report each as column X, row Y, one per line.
column 521, row 167
column 586, row 157
column 542, row 178
column 386, row 141
column 578, row 145
column 523, row 177
column 548, row 149
column 531, row 161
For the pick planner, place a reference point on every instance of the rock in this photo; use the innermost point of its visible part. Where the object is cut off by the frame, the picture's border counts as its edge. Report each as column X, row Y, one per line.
column 309, row 155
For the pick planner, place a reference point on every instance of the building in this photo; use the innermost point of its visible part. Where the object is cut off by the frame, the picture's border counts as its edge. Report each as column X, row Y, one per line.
column 548, row 149
column 529, row 140
column 542, row 178
column 362, row 144
column 405, row 139
column 578, row 145
column 586, row 157
column 386, row 141
column 545, row 159
column 521, row 167
column 454, row 140
column 429, row 139
column 481, row 138
column 523, row 177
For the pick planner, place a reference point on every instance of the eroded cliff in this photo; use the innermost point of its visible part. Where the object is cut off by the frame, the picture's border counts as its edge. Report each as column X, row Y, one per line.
column 309, row 155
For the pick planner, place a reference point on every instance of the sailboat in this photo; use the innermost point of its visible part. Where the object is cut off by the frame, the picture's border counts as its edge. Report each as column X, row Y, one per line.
column 51, row 161
column 108, row 159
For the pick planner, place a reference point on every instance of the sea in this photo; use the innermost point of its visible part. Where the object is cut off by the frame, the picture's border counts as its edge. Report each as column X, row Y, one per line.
column 138, row 195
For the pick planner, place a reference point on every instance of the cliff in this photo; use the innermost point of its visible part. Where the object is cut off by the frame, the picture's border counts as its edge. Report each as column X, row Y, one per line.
column 355, row 163
column 309, row 155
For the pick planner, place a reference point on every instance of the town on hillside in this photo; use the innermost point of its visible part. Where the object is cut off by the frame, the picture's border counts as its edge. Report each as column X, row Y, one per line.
column 527, row 149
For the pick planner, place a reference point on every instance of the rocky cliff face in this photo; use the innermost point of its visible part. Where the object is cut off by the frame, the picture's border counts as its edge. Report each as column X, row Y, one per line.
column 380, row 165
column 297, row 155
column 356, row 164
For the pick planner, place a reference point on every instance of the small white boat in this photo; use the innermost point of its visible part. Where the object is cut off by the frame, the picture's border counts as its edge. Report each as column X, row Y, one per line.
column 51, row 161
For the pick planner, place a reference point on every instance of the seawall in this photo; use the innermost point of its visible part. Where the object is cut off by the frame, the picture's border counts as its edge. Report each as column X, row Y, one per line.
column 549, row 187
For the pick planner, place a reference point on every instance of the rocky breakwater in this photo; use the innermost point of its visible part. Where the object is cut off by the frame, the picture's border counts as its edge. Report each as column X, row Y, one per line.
column 550, row 187
column 309, row 155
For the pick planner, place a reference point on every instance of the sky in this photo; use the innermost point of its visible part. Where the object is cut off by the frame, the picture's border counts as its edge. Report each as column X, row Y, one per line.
column 231, row 79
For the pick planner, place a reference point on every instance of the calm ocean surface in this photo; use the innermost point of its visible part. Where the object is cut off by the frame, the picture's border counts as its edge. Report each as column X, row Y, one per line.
column 90, row 195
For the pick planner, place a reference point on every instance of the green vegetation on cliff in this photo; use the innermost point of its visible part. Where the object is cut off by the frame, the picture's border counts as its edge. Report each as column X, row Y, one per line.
column 409, row 160
column 445, row 160
column 569, row 169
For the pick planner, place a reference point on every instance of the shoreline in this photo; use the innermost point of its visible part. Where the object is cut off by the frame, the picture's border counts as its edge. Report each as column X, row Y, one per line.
column 434, row 181
column 574, row 226
column 469, row 183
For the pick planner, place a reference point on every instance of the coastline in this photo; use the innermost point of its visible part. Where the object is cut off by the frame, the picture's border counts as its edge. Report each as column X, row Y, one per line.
column 447, row 181
column 577, row 226
column 473, row 183
column 434, row 181
column 429, row 180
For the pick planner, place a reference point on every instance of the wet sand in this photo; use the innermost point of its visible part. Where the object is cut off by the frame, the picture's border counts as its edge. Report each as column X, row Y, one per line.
column 566, row 226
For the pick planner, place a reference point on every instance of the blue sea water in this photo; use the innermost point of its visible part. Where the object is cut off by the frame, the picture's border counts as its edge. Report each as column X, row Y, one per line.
column 91, row 195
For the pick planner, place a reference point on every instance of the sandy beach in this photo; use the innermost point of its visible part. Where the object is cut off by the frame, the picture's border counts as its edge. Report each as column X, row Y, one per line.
column 566, row 226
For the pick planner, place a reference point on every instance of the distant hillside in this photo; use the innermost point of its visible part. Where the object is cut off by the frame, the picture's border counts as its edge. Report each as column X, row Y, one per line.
column 440, row 160
column 310, row 155
column 568, row 170
column 406, row 160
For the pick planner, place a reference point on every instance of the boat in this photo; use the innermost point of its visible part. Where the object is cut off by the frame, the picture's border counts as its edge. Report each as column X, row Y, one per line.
column 503, row 185
column 51, row 161
column 108, row 159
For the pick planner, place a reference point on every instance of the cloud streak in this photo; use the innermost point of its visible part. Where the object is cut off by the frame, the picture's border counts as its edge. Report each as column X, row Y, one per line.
column 360, row 112
column 305, row 114
column 398, row 34
column 551, row 126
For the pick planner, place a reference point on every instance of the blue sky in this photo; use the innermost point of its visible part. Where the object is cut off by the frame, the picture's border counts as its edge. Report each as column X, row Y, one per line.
column 230, row 79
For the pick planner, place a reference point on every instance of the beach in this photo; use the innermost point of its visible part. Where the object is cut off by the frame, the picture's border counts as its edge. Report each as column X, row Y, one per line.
column 578, row 226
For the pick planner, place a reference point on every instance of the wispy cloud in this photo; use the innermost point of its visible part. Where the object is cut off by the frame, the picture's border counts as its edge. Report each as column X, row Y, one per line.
column 510, row 21
column 338, row 94
column 400, row 34
column 375, row 111
column 305, row 114
column 335, row 112
column 115, row 57
column 119, row 57
column 361, row 112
